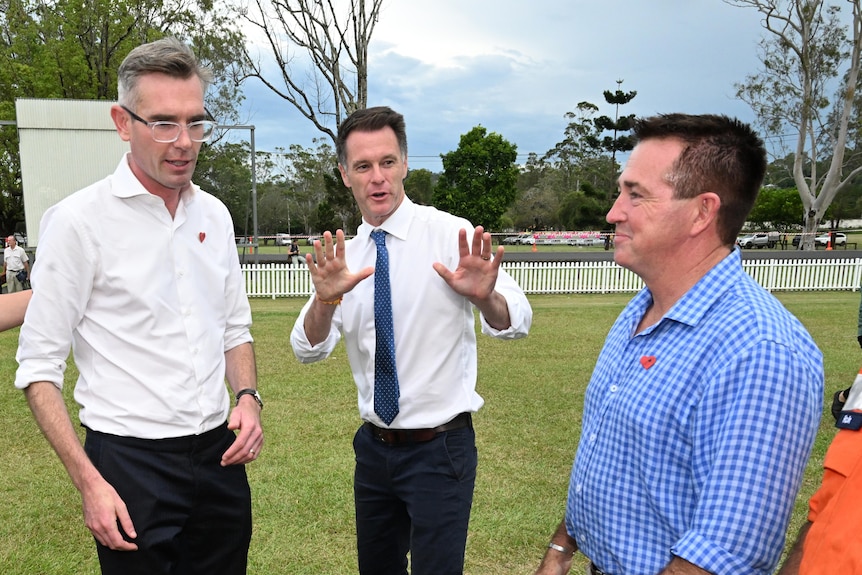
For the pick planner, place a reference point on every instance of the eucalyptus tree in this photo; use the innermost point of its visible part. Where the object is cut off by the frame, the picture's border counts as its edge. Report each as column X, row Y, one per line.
column 320, row 51
column 806, row 52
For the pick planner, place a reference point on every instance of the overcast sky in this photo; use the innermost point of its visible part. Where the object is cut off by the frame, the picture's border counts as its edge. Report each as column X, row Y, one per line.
column 517, row 67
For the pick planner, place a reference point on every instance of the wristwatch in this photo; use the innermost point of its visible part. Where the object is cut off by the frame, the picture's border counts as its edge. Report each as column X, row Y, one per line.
column 251, row 392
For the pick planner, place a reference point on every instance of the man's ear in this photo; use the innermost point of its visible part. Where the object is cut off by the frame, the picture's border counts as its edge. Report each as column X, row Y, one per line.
column 121, row 122
column 707, row 206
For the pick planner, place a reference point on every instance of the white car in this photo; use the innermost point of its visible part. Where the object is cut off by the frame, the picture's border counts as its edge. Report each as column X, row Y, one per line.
column 823, row 240
column 282, row 239
column 520, row 239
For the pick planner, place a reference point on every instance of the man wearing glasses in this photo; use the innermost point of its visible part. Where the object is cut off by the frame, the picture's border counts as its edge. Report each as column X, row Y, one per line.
column 139, row 274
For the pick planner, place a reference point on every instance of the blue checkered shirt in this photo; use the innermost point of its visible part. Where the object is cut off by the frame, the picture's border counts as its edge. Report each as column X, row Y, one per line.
column 696, row 432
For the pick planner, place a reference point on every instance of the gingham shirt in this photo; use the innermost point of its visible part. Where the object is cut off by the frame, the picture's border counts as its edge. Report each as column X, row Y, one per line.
column 696, row 432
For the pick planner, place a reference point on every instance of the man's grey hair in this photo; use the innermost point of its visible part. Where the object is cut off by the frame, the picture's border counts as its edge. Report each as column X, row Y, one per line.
column 167, row 56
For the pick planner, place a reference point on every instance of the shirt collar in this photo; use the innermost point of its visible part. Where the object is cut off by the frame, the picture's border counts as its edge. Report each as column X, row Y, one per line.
column 396, row 225
column 695, row 303
column 129, row 186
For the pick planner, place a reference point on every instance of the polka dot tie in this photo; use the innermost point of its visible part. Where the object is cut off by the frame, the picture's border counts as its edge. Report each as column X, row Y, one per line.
column 385, row 376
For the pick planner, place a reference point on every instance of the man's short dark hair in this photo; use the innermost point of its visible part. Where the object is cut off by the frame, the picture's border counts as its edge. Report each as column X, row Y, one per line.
column 370, row 120
column 721, row 155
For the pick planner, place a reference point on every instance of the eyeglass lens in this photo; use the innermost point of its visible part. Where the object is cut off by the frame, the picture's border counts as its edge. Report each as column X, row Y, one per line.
column 170, row 131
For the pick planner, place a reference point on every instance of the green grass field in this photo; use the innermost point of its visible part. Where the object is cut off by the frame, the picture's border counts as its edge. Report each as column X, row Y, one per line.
column 302, row 483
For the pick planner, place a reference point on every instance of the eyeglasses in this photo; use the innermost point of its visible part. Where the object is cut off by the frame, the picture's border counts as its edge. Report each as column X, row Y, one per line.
column 169, row 132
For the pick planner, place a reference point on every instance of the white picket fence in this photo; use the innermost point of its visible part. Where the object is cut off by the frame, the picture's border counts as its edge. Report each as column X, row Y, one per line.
column 293, row 280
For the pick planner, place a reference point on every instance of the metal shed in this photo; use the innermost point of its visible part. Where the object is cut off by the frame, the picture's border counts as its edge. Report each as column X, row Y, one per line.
column 65, row 145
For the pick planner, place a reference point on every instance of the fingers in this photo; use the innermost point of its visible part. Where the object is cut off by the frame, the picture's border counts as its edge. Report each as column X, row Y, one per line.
column 482, row 244
column 105, row 514
column 249, row 442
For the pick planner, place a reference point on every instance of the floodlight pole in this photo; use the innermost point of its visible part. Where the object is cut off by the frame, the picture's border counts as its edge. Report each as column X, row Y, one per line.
column 253, row 183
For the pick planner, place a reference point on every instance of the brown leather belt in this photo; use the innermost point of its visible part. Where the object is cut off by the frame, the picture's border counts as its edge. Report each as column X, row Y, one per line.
column 405, row 436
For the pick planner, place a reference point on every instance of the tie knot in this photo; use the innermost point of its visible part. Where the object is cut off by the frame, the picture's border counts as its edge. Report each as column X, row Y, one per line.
column 379, row 237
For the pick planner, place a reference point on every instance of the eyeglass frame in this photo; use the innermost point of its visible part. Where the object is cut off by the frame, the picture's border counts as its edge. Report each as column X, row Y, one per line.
column 187, row 127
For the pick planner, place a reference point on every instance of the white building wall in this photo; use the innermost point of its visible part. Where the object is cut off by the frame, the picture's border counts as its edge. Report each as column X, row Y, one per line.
column 65, row 146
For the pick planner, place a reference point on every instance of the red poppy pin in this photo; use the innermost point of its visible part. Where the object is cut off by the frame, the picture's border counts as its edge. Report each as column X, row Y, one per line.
column 647, row 361
column 202, row 236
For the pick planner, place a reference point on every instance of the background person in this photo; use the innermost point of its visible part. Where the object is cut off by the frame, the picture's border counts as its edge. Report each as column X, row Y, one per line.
column 415, row 470
column 829, row 541
column 705, row 400
column 15, row 260
column 140, row 272
column 294, row 252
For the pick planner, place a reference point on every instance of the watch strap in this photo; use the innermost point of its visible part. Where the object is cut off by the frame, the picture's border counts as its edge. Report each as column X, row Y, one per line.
column 251, row 392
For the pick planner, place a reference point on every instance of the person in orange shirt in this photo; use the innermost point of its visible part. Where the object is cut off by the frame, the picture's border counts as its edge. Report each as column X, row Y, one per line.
column 829, row 541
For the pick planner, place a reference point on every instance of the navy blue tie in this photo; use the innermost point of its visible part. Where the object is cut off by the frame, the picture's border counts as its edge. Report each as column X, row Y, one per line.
column 385, row 376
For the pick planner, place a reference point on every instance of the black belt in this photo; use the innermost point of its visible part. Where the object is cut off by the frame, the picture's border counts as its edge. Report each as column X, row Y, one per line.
column 596, row 571
column 403, row 436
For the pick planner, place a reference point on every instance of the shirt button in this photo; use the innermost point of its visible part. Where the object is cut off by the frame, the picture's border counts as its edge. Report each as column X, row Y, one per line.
column 614, row 388
column 593, row 437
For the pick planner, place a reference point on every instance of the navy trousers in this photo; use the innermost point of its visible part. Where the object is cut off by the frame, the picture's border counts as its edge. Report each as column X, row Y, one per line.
column 413, row 498
column 192, row 515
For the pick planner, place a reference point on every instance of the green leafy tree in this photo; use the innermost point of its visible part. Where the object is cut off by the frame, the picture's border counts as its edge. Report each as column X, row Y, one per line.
column 224, row 170
column 340, row 200
column 572, row 158
column 72, row 49
column 478, row 181
column 537, row 201
column 419, row 185
column 307, row 173
column 777, row 208
column 582, row 211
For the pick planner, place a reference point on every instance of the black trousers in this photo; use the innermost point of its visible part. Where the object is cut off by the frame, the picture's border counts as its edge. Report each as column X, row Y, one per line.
column 192, row 515
column 414, row 499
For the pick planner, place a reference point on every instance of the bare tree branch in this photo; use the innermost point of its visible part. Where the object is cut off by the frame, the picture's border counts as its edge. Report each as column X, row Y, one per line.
column 320, row 51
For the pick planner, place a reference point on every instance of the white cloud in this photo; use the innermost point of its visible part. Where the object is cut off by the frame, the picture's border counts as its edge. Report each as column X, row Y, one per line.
column 516, row 68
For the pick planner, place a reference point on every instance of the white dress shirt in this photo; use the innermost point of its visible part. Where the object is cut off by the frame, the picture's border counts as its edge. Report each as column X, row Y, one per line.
column 149, row 304
column 14, row 258
column 435, row 337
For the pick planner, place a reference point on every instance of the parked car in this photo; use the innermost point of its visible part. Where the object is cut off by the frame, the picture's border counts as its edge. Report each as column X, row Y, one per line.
column 282, row 239
column 758, row 240
column 823, row 240
column 520, row 239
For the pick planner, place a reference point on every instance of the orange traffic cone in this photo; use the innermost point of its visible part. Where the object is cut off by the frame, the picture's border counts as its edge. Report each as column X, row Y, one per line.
column 534, row 246
column 829, row 243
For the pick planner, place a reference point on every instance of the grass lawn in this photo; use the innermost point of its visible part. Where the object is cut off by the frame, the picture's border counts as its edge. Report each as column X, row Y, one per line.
column 302, row 483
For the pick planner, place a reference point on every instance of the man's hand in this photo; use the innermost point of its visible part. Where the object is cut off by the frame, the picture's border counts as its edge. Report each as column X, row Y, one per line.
column 245, row 417
column 476, row 277
column 476, row 274
column 330, row 275
column 105, row 513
